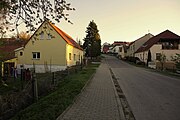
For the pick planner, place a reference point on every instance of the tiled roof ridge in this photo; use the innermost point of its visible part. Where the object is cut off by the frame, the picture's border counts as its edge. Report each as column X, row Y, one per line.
column 148, row 44
column 66, row 37
column 144, row 36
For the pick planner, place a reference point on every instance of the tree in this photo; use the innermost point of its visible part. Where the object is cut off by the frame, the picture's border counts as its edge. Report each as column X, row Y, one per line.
column 32, row 12
column 149, row 57
column 176, row 59
column 162, row 60
column 24, row 36
column 92, row 41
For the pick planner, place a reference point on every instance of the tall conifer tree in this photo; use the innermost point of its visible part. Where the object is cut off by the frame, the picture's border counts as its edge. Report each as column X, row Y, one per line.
column 92, row 41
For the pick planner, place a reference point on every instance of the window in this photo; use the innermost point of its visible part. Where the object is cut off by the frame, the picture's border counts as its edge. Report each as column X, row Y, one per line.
column 169, row 44
column 36, row 55
column 49, row 36
column 79, row 57
column 158, row 56
column 69, row 56
column 74, row 57
column 120, row 49
column 41, row 36
column 21, row 53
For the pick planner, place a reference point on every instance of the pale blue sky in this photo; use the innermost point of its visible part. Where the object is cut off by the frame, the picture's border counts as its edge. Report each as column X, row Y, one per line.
column 123, row 20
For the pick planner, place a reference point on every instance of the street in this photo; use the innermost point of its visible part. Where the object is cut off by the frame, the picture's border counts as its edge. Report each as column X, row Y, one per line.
column 151, row 96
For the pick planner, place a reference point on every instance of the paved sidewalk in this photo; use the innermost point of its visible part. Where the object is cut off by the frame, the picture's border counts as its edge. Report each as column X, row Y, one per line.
column 97, row 101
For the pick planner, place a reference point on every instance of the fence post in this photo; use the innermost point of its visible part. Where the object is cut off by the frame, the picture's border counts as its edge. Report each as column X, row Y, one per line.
column 1, row 102
column 22, row 76
column 68, row 71
column 53, row 78
column 34, row 87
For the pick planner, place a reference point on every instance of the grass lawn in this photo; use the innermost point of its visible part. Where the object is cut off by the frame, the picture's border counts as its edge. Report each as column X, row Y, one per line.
column 52, row 105
column 11, row 85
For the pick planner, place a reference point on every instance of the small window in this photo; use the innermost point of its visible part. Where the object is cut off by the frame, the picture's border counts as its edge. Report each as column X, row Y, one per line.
column 158, row 56
column 41, row 36
column 74, row 57
column 69, row 56
column 36, row 55
column 120, row 49
column 21, row 53
column 49, row 36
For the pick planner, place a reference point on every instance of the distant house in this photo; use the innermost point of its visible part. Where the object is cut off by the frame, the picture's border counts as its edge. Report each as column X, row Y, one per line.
column 116, row 45
column 166, row 43
column 135, row 45
column 105, row 47
column 7, row 54
column 122, row 51
column 49, row 49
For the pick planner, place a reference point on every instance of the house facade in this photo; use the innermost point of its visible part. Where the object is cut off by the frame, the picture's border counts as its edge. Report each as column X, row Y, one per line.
column 7, row 54
column 105, row 47
column 166, row 43
column 116, row 46
column 49, row 49
column 122, row 51
column 135, row 45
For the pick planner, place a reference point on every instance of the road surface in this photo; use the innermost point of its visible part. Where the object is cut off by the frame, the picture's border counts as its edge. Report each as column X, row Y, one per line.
column 151, row 96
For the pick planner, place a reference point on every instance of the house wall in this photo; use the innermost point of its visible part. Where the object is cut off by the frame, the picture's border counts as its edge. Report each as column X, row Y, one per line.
column 52, row 51
column 142, row 56
column 157, row 48
column 137, row 44
column 122, row 52
column 116, row 49
column 130, row 50
column 76, row 55
column 168, row 53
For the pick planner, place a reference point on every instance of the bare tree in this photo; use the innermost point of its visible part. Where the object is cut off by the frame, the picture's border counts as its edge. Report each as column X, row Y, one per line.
column 32, row 12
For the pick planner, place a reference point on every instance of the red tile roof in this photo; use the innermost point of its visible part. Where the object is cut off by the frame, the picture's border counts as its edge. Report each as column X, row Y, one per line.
column 164, row 35
column 66, row 37
column 116, row 43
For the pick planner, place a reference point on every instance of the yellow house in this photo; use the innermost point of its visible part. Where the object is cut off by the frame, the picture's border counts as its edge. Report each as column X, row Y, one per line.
column 49, row 49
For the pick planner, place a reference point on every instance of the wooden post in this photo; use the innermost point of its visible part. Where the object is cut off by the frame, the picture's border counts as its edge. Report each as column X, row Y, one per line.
column 53, row 78
column 34, row 85
column 22, row 74
column 68, row 71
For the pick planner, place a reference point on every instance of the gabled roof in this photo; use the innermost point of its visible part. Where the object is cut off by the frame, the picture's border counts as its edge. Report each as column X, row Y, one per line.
column 146, row 36
column 164, row 35
column 66, row 37
column 117, row 43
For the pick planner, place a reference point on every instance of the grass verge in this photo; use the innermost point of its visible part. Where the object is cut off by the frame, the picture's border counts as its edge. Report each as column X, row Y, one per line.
column 52, row 105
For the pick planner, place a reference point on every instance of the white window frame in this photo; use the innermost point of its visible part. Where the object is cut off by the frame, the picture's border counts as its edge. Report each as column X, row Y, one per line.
column 36, row 55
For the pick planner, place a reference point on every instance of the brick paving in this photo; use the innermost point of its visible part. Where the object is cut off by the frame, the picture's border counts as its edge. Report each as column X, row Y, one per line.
column 97, row 101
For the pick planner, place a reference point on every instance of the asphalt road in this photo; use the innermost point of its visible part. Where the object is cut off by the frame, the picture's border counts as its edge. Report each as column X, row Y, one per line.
column 151, row 96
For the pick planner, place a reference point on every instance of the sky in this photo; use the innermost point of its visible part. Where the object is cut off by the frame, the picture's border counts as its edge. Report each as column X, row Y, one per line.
column 122, row 20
